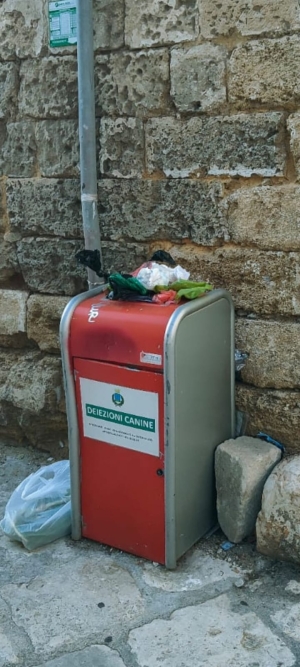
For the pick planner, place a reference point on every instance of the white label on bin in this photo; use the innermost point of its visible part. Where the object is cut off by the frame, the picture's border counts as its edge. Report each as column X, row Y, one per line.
column 120, row 416
column 150, row 358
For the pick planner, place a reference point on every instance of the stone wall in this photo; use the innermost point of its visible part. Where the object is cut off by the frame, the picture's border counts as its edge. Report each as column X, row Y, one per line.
column 198, row 122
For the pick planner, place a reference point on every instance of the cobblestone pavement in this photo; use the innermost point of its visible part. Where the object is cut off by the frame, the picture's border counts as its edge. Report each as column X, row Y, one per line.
column 85, row 605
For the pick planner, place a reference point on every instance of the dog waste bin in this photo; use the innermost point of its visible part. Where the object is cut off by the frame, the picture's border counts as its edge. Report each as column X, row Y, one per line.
column 150, row 394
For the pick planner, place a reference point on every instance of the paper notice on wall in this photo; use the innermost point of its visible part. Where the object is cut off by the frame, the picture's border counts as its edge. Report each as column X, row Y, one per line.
column 63, row 23
column 120, row 416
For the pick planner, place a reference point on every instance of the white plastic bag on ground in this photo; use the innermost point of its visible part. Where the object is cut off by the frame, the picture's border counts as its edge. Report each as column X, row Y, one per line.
column 39, row 510
column 160, row 274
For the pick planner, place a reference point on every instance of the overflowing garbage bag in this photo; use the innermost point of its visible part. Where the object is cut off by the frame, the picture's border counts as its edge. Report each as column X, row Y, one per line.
column 39, row 510
column 159, row 280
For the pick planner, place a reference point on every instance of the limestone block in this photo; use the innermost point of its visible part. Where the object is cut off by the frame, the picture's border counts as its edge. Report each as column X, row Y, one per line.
column 274, row 352
column 248, row 18
column 3, row 220
column 8, row 89
column 9, row 267
column 34, row 383
column 23, row 28
column 31, row 396
column 132, row 83
column 198, row 77
column 161, row 22
column 242, row 145
column 44, row 207
column 274, row 412
column 108, row 24
column 265, row 72
column 242, row 467
column 267, row 217
column 12, row 312
column 123, row 257
column 293, row 125
column 43, row 318
column 18, row 155
column 49, row 265
column 260, row 282
column 48, row 88
column 58, row 147
column 122, row 147
column 154, row 210
column 277, row 525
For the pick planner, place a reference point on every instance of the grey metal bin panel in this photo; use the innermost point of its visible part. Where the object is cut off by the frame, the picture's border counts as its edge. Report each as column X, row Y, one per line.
column 200, row 416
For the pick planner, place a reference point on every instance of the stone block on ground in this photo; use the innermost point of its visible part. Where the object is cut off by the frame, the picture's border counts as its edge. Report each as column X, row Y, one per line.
column 242, row 467
column 277, row 526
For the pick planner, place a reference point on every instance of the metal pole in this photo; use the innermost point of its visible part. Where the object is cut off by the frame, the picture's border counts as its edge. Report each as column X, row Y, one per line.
column 87, row 132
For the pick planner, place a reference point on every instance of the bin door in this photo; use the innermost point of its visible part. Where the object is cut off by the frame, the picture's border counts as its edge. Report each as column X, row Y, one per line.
column 120, row 413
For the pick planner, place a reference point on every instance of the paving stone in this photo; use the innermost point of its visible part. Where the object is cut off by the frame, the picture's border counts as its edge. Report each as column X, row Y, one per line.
column 288, row 621
column 132, row 83
column 274, row 355
column 58, row 148
column 195, row 572
column 44, row 206
column 162, row 22
column 293, row 587
column 209, row 634
column 122, row 147
column 248, row 18
column 277, row 526
column 198, row 77
column 265, row 72
column 48, row 88
column 7, row 653
column 69, row 616
column 242, row 467
column 152, row 210
column 266, row 217
column 93, row 656
column 243, row 145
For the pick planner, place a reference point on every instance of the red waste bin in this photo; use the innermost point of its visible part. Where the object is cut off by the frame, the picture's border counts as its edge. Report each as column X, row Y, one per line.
column 149, row 392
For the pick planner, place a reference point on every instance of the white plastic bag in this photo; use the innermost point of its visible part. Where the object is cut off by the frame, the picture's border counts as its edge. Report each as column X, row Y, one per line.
column 160, row 274
column 39, row 510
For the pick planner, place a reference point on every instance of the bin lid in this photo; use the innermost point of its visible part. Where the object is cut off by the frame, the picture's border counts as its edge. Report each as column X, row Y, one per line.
column 121, row 332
